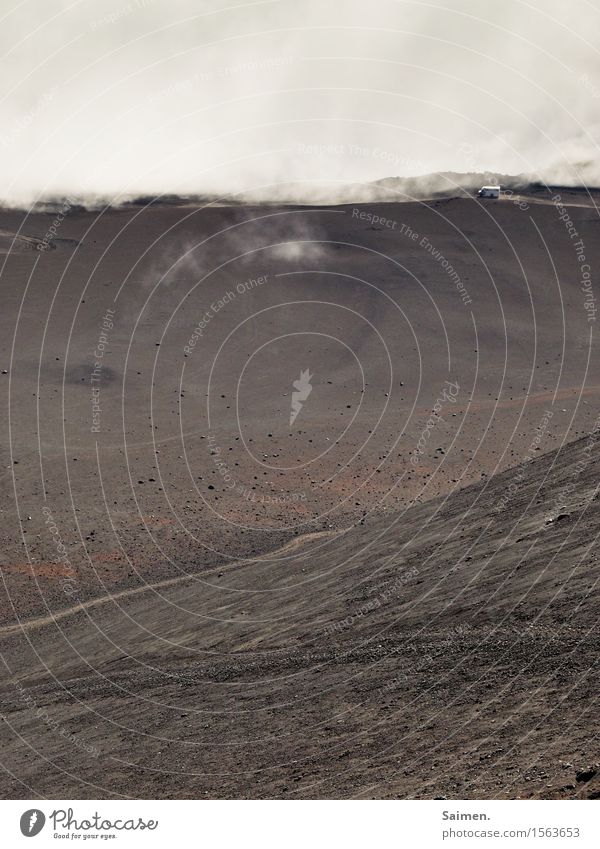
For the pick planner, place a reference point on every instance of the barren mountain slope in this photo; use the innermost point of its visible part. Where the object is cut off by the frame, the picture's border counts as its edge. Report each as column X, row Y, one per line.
column 447, row 650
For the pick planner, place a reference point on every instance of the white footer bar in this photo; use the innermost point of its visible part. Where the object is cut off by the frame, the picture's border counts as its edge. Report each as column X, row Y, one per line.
column 301, row 824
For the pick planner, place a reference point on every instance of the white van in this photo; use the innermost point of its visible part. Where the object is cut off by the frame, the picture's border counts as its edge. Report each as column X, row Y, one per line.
column 489, row 192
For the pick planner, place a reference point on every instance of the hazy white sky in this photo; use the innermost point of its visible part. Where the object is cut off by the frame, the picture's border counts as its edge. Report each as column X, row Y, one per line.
column 129, row 96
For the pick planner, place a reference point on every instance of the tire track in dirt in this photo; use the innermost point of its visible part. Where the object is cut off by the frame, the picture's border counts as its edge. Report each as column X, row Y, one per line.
column 41, row 621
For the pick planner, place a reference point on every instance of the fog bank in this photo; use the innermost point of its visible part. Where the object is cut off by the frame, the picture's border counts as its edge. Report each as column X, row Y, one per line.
column 120, row 98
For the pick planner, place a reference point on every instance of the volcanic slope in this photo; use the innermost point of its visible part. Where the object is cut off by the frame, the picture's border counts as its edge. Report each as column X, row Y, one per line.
column 449, row 650
column 147, row 452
